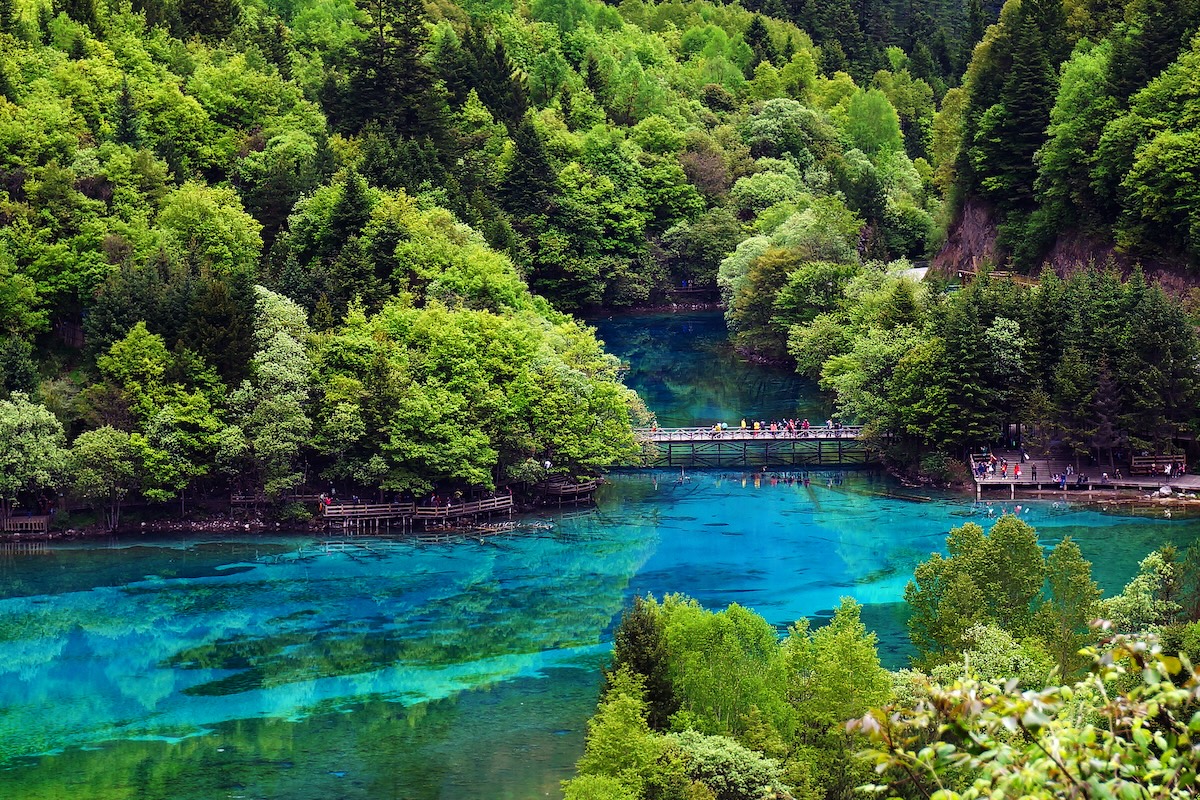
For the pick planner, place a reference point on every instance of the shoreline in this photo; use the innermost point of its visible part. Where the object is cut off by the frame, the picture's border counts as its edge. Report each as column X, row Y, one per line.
column 220, row 524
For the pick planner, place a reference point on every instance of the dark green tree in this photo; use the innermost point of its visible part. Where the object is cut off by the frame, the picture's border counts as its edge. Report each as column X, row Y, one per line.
column 127, row 127
column 351, row 210
column 209, row 19
column 759, row 39
column 639, row 645
column 18, row 371
column 82, row 11
column 8, row 16
column 1158, row 30
column 389, row 80
column 1013, row 130
column 529, row 185
column 595, row 80
column 969, row 418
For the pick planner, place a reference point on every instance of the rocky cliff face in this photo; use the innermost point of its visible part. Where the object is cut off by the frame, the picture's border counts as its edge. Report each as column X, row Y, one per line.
column 971, row 243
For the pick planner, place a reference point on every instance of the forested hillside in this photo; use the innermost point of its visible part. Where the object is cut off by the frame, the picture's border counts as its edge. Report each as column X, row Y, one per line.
column 255, row 245
column 1079, row 119
column 232, row 229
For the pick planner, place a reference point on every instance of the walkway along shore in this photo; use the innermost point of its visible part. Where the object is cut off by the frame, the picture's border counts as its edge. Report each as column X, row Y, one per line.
column 1037, row 479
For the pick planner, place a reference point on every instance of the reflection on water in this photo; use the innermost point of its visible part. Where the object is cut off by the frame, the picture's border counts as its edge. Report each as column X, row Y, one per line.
column 192, row 669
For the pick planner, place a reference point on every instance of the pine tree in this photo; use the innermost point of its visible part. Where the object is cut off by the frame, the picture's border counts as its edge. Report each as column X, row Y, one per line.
column 759, row 39
column 595, row 80
column 1145, row 48
column 78, row 51
column 1014, row 129
column 969, row 418
column 8, row 16
column 155, row 12
column 44, row 16
column 352, row 209
column 127, row 125
column 389, row 81
column 501, row 85
column 82, row 11
column 529, row 184
column 1106, row 411
column 976, row 23
column 209, row 19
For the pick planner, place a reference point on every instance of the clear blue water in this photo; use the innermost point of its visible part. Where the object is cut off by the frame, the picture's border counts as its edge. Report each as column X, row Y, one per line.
column 272, row 667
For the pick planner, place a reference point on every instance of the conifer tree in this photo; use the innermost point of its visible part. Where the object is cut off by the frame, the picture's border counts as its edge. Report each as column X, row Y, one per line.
column 759, row 39
column 595, row 80
column 213, row 19
column 82, row 11
column 8, row 16
column 352, row 209
column 530, row 183
column 389, row 80
column 1013, row 130
column 127, row 125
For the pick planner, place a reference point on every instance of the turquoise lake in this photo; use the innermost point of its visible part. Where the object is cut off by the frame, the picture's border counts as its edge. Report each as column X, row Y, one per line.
column 275, row 667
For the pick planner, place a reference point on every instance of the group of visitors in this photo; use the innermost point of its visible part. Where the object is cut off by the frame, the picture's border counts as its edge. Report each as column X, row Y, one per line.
column 990, row 466
column 790, row 428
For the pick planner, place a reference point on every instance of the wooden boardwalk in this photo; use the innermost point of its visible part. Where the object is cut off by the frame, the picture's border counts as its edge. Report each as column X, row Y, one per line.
column 377, row 516
column 1037, row 475
column 832, row 446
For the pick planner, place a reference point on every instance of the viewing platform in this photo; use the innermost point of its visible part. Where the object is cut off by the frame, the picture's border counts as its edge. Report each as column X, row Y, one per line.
column 823, row 446
column 1037, row 475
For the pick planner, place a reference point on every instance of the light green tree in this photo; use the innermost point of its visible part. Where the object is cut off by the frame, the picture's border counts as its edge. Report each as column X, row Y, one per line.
column 103, row 468
column 32, row 454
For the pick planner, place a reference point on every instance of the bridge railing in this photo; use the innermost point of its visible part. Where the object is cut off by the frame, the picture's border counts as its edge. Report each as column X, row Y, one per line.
column 747, row 434
column 413, row 511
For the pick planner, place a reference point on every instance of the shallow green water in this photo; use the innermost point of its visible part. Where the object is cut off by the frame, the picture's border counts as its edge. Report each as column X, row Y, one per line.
column 273, row 668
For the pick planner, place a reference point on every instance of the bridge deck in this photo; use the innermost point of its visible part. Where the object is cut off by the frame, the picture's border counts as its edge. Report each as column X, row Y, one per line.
column 848, row 432
column 745, row 447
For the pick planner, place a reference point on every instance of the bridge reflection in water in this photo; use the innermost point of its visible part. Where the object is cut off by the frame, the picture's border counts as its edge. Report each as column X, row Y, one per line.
column 824, row 446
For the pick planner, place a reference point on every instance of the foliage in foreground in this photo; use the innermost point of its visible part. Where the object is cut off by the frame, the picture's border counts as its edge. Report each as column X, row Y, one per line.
column 716, row 705
column 1131, row 728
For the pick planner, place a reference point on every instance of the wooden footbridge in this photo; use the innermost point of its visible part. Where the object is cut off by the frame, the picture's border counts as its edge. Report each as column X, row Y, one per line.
column 369, row 517
column 824, row 446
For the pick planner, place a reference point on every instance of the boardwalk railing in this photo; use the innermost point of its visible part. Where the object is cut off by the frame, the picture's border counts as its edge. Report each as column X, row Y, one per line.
column 568, row 488
column 357, row 513
column 25, row 524
column 746, row 434
column 368, row 510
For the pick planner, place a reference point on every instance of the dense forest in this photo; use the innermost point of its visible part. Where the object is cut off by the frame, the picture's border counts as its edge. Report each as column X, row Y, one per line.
column 259, row 244
column 1012, row 692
